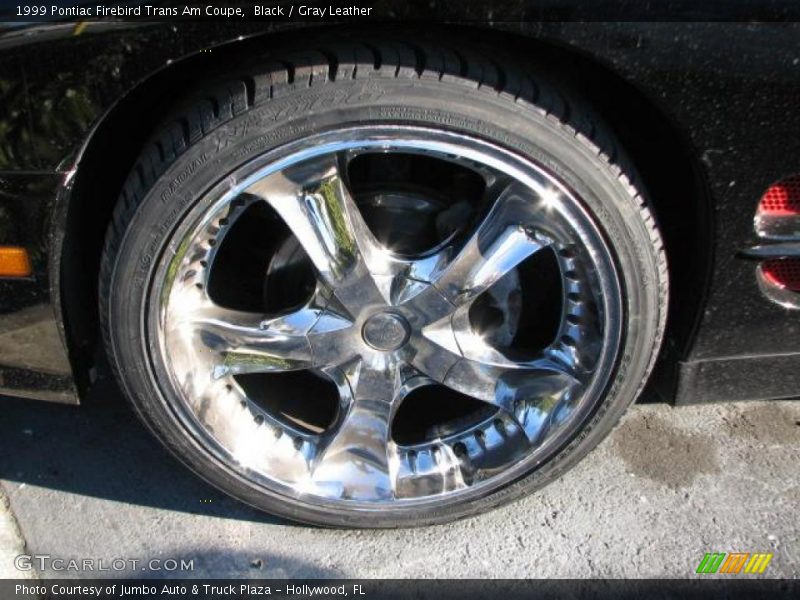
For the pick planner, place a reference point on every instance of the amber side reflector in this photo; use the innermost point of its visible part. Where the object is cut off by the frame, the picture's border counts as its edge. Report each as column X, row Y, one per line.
column 14, row 262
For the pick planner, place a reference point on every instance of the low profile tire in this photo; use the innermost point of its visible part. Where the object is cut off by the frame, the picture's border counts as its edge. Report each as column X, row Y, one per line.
column 378, row 286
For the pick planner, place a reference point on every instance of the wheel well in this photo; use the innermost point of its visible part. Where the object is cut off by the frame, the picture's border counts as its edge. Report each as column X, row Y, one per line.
column 668, row 169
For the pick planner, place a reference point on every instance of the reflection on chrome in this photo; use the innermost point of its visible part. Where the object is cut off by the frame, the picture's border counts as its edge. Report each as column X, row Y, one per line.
column 381, row 325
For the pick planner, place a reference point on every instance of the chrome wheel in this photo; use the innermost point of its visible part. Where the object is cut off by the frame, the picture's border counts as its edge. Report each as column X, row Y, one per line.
column 386, row 321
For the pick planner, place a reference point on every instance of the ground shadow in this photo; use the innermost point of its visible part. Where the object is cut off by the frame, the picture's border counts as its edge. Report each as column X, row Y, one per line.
column 220, row 563
column 101, row 449
column 203, row 565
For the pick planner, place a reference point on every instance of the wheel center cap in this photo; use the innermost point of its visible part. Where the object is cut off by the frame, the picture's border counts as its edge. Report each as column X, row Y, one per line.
column 386, row 331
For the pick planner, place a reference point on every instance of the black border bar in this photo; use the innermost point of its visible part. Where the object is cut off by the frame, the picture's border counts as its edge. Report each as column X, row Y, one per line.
column 12, row 11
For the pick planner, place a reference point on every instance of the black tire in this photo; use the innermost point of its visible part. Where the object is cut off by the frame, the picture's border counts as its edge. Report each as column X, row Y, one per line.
column 222, row 125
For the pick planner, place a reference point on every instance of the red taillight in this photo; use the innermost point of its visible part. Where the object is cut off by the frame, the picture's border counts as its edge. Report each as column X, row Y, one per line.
column 782, row 198
column 783, row 272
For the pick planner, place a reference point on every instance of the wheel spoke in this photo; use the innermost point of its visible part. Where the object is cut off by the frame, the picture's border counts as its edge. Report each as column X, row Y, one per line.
column 484, row 372
column 315, row 203
column 504, row 386
column 355, row 459
column 244, row 342
column 499, row 245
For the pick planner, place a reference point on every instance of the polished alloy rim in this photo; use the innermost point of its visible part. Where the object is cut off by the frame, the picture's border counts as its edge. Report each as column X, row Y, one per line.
column 382, row 324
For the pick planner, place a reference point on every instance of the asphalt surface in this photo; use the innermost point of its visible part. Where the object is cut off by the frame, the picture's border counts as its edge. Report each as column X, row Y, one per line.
column 667, row 486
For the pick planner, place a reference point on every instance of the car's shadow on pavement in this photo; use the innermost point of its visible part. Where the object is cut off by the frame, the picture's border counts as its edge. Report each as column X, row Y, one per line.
column 101, row 449
column 226, row 563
